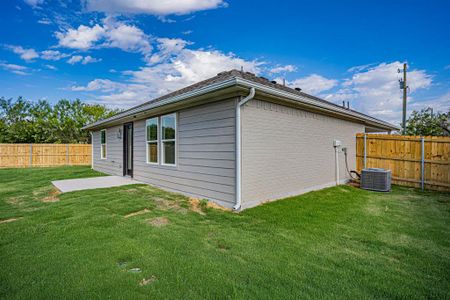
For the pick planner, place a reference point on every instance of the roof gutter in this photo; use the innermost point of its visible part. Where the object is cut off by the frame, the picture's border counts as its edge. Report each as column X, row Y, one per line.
column 315, row 103
column 249, row 84
column 238, row 147
column 145, row 107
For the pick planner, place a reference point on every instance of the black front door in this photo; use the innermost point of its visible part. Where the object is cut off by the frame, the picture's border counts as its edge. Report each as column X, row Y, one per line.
column 128, row 149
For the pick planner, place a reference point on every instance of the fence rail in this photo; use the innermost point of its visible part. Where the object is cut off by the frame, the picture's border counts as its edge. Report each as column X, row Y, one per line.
column 44, row 155
column 414, row 160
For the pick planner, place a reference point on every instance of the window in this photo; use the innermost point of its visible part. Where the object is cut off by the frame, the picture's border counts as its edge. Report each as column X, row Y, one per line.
column 152, row 140
column 103, row 144
column 168, row 139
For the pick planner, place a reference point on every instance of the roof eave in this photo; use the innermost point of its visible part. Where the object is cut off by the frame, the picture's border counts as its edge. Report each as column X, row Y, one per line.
column 314, row 103
column 178, row 98
column 305, row 99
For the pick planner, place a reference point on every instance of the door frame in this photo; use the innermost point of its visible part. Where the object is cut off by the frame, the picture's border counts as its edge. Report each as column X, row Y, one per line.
column 127, row 170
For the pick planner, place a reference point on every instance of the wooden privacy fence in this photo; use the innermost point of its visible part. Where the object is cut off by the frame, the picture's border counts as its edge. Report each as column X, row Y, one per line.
column 414, row 161
column 44, row 155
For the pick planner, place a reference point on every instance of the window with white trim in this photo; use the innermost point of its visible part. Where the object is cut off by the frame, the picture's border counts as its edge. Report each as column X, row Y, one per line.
column 103, row 144
column 168, row 139
column 151, row 126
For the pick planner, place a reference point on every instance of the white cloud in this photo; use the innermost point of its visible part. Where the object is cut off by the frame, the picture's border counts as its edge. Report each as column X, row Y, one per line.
column 25, row 54
column 16, row 69
column 33, row 3
column 188, row 67
column 89, row 59
column 283, row 69
column 44, row 21
column 439, row 104
column 168, row 47
column 360, row 68
column 51, row 67
column 178, row 69
column 153, row 7
column 105, row 85
column 313, row 84
column 111, row 34
column 82, row 38
column 375, row 90
column 83, row 60
column 75, row 59
column 126, row 37
column 53, row 55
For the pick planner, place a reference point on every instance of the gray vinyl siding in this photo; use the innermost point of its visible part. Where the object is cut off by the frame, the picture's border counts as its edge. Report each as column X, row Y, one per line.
column 205, row 154
column 114, row 152
column 287, row 151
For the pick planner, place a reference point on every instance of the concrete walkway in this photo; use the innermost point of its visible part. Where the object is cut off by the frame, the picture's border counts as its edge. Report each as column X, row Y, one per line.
column 70, row 185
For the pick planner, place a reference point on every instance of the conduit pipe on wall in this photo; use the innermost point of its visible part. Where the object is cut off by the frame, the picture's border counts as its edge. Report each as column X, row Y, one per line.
column 337, row 146
column 336, row 151
column 238, row 147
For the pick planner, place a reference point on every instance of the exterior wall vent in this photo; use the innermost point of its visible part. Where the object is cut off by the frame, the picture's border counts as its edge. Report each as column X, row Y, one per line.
column 376, row 179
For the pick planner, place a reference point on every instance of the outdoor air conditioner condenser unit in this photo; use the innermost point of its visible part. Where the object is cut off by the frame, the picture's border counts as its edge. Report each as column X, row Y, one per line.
column 376, row 179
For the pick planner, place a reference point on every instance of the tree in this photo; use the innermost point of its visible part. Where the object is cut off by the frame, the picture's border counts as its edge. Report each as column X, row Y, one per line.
column 16, row 121
column 23, row 121
column 425, row 122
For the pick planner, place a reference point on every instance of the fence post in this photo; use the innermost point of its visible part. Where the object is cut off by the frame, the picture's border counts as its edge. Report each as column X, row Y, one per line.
column 422, row 167
column 67, row 154
column 31, row 155
column 365, row 150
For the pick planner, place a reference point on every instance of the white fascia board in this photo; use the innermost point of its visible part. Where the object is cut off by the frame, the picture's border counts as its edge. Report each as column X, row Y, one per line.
column 132, row 111
column 313, row 102
column 247, row 83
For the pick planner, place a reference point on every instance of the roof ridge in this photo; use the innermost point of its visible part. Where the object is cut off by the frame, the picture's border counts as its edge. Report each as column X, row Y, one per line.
column 230, row 74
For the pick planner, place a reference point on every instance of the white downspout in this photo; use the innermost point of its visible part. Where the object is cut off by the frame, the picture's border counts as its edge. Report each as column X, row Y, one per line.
column 238, row 147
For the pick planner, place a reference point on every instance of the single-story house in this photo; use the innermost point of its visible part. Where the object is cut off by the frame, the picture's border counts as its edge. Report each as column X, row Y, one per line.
column 236, row 139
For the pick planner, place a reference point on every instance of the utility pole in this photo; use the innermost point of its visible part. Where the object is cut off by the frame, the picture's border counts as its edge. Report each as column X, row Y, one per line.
column 405, row 87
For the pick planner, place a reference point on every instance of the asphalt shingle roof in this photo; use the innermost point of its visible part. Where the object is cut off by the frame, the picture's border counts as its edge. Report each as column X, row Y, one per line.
column 223, row 76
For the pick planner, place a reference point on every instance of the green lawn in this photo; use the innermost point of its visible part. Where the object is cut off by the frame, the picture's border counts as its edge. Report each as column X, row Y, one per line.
column 339, row 242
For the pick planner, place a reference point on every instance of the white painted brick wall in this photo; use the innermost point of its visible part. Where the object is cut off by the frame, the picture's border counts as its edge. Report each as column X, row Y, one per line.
column 287, row 151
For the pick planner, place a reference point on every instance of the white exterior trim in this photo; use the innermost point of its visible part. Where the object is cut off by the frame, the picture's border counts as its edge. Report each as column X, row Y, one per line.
column 238, row 149
column 168, row 140
column 249, row 84
column 152, row 142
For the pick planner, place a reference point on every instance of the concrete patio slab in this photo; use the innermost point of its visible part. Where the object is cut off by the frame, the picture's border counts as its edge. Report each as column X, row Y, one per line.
column 70, row 185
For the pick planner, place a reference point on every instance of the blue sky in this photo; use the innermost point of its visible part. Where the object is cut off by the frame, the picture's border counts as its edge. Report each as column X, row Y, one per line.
column 122, row 53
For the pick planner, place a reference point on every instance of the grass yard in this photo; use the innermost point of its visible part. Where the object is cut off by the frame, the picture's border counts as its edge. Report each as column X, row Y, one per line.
column 140, row 242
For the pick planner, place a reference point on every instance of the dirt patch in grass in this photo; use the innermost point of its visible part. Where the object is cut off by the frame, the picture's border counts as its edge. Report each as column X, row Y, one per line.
column 9, row 220
column 196, row 206
column 52, row 197
column 16, row 201
column 158, row 221
column 199, row 206
column 46, row 194
column 165, row 204
column 147, row 281
column 137, row 213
